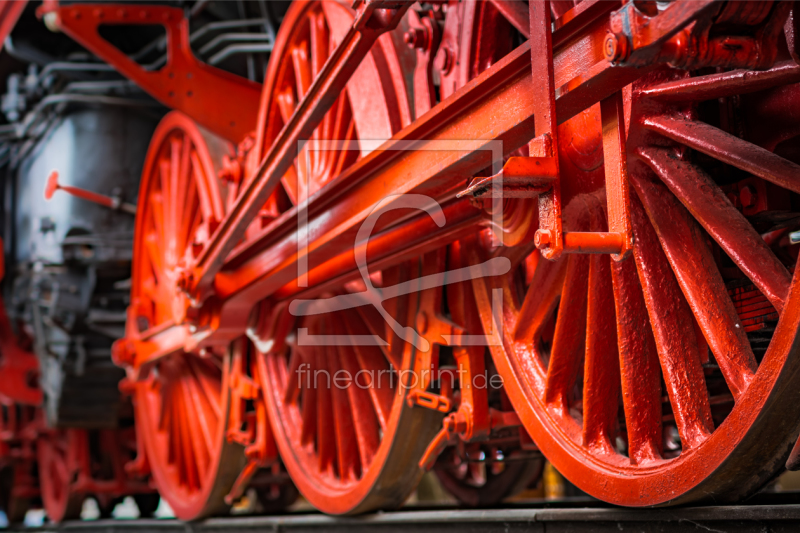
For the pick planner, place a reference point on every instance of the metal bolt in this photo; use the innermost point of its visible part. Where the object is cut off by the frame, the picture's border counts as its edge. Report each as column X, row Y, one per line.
column 123, row 351
column 748, row 196
column 543, row 238
column 444, row 60
column 416, row 38
column 615, row 47
column 455, row 422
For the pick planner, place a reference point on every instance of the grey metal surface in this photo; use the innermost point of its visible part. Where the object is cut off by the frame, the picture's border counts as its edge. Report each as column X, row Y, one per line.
column 575, row 517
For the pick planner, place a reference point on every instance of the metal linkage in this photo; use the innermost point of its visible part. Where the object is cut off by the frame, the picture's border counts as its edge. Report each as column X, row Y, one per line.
column 224, row 103
column 680, row 34
column 372, row 20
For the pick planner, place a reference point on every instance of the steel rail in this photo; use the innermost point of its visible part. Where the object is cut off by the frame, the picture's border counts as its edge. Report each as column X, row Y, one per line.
column 578, row 515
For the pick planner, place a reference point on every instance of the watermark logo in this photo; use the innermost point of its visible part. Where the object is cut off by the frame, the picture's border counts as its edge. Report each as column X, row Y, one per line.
column 376, row 296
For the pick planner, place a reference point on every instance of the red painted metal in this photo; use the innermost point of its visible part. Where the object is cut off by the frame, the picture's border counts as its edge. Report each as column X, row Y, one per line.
column 729, row 149
column 100, row 199
column 579, row 332
column 673, row 307
column 371, row 20
column 231, row 285
column 725, row 84
column 223, row 103
column 9, row 14
column 182, row 401
column 681, row 34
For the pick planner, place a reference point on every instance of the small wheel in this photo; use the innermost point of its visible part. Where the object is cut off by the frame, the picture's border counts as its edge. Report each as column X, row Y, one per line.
column 274, row 490
column 58, row 454
column 147, row 504
column 482, row 472
column 476, row 484
column 181, row 405
column 694, row 335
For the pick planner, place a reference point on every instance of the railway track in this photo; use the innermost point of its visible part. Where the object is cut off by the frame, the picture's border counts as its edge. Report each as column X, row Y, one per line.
column 765, row 512
column 323, row 247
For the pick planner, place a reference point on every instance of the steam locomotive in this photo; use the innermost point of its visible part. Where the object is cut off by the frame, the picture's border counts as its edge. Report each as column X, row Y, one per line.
column 320, row 247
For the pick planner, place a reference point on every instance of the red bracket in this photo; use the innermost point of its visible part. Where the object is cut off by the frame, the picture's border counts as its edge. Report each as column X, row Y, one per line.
column 223, row 103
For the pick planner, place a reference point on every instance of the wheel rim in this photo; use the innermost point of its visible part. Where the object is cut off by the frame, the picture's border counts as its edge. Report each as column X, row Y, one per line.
column 58, row 472
column 586, row 331
column 181, row 406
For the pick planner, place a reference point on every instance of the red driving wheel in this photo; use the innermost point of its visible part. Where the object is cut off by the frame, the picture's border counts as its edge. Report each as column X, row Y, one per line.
column 181, row 407
column 670, row 376
column 57, row 453
column 339, row 413
column 340, row 445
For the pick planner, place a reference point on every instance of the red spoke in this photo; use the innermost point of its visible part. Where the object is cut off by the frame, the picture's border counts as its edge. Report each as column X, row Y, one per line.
column 709, row 205
column 176, row 196
column 182, row 440
column 168, row 249
column 203, row 189
column 702, row 285
column 341, row 125
column 59, row 465
column 191, row 461
column 308, row 406
column 319, row 54
column 375, row 326
column 673, row 329
column 566, row 357
column 157, row 218
column 326, row 445
column 291, row 379
column 729, row 149
column 601, row 374
column 202, row 416
column 209, row 383
column 540, row 299
column 347, row 452
column 361, row 407
column 286, row 104
column 191, row 214
column 374, row 364
column 154, row 254
column 398, row 308
column 349, row 138
column 302, row 70
column 198, row 439
column 725, row 84
column 639, row 367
